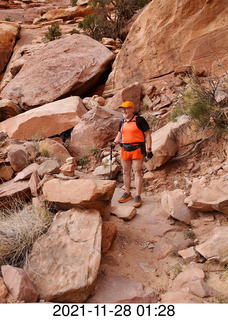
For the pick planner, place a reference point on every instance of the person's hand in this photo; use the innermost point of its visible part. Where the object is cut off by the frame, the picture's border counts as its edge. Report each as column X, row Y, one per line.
column 113, row 145
column 149, row 154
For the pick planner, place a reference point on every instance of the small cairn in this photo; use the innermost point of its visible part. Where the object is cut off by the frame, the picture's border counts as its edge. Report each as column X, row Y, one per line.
column 68, row 168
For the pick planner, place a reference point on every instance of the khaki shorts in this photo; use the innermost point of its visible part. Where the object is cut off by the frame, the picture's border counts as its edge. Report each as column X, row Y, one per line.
column 131, row 155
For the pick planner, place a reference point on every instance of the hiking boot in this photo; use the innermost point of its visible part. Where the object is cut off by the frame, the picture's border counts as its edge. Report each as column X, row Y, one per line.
column 125, row 197
column 138, row 202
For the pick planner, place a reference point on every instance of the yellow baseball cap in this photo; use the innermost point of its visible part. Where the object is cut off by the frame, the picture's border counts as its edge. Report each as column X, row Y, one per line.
column 127, row 104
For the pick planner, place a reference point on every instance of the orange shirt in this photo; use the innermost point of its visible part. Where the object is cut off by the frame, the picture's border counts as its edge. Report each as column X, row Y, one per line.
column 131, row 133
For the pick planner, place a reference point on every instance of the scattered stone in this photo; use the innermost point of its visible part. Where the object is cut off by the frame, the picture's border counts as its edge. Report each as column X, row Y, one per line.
column 50, row 166
column 189, row 254
column 3, row 291
column 6, row 173
column 19, row 284
column 215, row 247
column 26, row 172
column 124, row 212
column 18, row 159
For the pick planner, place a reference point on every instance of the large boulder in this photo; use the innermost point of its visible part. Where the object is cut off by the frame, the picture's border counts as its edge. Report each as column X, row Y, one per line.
column 86, row 193
column 78, row 60
column 45, row 121
column 64, row 262
column 8, row 36
column 160, row 42
column 213, row 197
column 96, row 128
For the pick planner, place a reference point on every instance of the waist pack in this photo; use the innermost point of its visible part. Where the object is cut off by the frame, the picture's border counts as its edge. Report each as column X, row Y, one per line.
column 132, row 147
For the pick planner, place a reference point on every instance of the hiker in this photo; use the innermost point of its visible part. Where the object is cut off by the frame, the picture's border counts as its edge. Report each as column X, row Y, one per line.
column 135, row 139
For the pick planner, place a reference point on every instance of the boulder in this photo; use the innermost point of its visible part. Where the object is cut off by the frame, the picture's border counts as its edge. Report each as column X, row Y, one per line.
column 86, row 193
column 54, row 149
column 26, row 172
column 18, row 159
column 8, row 35
column 104, row 125
column 66, row 13
column 11, row 192
column 149, row 53
column 131, row 93
column 209, row 198
column 173, row 203
column 170, row 139
column 105, row 172
column 117, row 289
column 6, row 173
column 34, row 183
column 78, row 60
column 19, row 284
column 49, row 166
column 215, row 247
column 8, row 109
column 192, row 281
column 109, row 232
column 71, row 253
column 45, row 121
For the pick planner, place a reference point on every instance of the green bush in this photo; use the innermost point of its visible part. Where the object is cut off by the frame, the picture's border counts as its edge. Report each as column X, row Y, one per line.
column 74, row 31
column 198, row 101
column 54, row 32
column 110, row 17
column 19, row 229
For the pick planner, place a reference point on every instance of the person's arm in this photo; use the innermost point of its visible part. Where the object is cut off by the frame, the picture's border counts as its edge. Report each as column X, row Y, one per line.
column 148, row 140
column 117, row 138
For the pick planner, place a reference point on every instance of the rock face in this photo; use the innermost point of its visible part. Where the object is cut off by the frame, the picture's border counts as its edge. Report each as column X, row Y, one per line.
column 102, row 123
column 86, row 193
column 45, row 121
column 8, row 35
column 64, row 262
column 77, row 59
column 160, row 41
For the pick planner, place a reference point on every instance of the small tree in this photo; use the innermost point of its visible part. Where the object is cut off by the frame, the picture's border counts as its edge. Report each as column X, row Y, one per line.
column 54, row 32
column 110, row 17
column 198, row 100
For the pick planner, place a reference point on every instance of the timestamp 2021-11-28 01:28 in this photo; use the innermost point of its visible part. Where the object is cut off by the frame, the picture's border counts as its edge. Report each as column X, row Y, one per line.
column 117, row 310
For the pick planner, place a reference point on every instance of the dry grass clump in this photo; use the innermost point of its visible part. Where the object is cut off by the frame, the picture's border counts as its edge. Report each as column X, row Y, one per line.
column 19, row 229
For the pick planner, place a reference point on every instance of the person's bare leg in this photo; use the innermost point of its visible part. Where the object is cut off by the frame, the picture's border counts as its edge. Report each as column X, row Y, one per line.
column 137, row 168
column 126, row 165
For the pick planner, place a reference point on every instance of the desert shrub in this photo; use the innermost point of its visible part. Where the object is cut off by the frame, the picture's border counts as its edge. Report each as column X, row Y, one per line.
column 19, row 229
column 83, row 161
column 44, row 149
column 73, row 3
column 74, row 31
column 94, row 151
column 198, row 101
column 110, row 17
column 54, row 32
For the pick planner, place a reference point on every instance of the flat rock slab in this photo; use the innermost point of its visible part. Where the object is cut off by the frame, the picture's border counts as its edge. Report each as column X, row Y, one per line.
column 117, row 289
